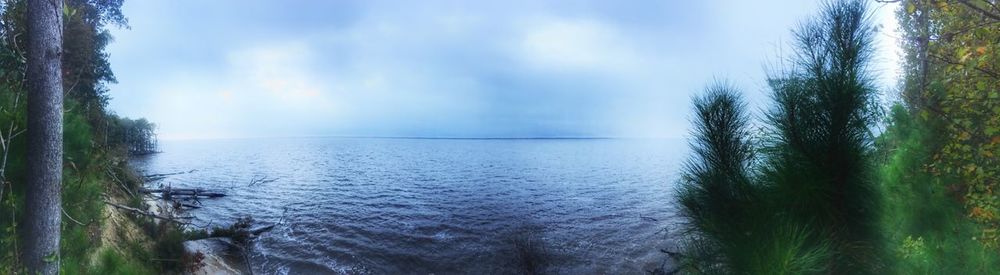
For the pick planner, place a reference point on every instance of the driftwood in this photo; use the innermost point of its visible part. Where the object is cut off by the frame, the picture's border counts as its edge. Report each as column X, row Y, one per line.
column 168, row 192
column 260, row 180
column 156, row 177
column 145, row 213
column 260, row 230
column 192, row 206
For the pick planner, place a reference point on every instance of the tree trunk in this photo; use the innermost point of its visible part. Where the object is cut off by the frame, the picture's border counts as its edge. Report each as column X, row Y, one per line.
column 43, row 201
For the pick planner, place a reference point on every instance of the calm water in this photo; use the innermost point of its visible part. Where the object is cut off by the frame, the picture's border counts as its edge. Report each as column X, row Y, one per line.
column 444, row 206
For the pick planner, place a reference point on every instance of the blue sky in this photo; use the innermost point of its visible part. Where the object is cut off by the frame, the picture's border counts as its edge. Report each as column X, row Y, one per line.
column 255, row 68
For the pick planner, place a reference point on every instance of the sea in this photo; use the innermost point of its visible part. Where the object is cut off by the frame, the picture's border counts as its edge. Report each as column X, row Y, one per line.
column 437, row 206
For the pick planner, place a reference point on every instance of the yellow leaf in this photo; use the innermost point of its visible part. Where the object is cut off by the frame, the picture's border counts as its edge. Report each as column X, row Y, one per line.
column 965, row 57
column 962, row 53
column 942, row 5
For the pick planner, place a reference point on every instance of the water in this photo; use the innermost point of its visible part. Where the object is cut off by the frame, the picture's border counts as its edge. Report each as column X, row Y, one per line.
column 444, row 206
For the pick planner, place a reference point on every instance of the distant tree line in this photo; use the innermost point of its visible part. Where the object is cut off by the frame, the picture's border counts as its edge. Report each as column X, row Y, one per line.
column 137, row 136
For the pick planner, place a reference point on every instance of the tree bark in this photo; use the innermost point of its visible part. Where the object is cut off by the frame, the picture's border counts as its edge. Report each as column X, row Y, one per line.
column 43, row 200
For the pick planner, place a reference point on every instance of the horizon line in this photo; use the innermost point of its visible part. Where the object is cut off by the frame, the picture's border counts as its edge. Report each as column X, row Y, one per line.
column 425, row 137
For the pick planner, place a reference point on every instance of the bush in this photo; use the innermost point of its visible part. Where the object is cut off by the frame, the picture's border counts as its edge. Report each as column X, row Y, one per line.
column 168, row 247
column 110, row 262
column 927, row 228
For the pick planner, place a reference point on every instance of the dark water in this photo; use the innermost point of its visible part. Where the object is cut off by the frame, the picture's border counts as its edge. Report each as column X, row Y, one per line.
column 444, row 206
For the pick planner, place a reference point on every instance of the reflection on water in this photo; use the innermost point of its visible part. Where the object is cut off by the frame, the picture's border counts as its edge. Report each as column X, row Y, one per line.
column 364, row 205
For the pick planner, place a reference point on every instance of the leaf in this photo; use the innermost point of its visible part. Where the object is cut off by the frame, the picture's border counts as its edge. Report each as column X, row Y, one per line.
column 992, row 130
column 910, row 8
column 942, row 5
column 965, row 55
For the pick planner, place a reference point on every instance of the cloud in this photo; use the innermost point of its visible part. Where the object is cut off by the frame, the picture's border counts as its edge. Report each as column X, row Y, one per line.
column 280, row 73
column 574, row 44
column 465, row 69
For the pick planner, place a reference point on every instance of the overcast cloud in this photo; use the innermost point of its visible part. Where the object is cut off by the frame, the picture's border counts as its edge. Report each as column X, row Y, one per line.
column 254, row 68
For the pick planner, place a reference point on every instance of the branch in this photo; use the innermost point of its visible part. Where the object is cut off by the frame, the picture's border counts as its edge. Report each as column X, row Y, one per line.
column 120, row 183
column 985, row 12
column 144, row 213
column 71, row 218
column 261, row 180
column 952, row 62
column 156, row 177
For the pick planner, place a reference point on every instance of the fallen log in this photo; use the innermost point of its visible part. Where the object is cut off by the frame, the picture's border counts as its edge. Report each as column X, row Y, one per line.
column 261, row 230
column 192, row 206
column 145, row 213
column 193, row 194
column 170, row 189
column 164, row 175
column 189, row 192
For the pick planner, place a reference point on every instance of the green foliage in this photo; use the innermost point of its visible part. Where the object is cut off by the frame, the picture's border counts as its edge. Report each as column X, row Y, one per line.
column 111, row 262
column 732, row 221
column 136, row 136
column 810, row 203
column 169, row 246
column 239, row 231
column 93, row 165
column 819, row 145
column 925, row 224
column 716, row 188
column 952, row 80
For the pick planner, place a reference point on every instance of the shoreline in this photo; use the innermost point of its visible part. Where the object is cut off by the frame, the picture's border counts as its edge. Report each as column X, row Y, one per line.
column 218, row 255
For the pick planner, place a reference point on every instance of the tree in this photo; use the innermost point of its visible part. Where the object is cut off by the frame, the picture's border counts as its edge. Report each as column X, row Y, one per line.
column 810, row 203
column 820, row 143
column 952, row 80
column 43, row 214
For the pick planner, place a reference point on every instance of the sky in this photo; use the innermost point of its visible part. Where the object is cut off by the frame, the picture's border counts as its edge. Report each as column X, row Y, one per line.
column 254, row 68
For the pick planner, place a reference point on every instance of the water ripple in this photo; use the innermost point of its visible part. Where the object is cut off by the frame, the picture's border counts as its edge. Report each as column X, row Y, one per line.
column 407, row 206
